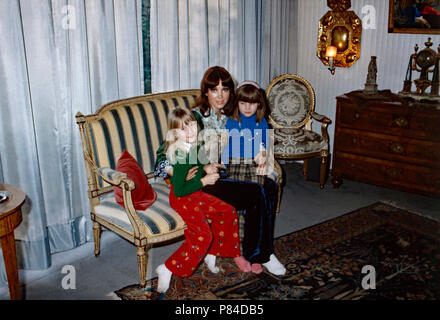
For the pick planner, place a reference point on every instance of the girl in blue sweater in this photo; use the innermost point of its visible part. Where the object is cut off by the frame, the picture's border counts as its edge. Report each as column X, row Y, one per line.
column 245, row 158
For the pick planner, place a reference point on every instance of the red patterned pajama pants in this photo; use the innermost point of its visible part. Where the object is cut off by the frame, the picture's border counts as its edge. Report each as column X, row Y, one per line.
column 221, row 238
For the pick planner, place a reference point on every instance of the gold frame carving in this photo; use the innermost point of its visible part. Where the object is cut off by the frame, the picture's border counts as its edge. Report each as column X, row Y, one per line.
column 339, row 5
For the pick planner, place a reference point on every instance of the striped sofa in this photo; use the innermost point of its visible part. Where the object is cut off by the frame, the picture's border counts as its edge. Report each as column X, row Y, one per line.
column 138, row 125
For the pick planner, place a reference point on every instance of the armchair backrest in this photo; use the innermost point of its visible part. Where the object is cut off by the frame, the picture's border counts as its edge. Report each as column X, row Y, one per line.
column 291, row 99
column 137, row 124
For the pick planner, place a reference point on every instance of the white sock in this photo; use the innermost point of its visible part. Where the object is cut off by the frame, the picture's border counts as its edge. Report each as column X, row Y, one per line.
column 210, row 262
column 274, row 266
column 164, row 278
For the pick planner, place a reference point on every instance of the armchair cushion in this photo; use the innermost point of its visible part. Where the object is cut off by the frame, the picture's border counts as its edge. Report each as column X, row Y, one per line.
column 297, row 141
column 143, row 195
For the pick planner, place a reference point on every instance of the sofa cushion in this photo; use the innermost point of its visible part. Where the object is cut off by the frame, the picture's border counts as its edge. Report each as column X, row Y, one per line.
column 143, row 195
column 159, row 218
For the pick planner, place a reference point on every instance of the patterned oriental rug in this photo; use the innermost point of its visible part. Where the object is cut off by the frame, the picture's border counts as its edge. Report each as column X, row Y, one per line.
column 379, row 252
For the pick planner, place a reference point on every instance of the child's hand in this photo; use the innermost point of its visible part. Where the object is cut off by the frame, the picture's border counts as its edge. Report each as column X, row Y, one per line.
column 210, row 179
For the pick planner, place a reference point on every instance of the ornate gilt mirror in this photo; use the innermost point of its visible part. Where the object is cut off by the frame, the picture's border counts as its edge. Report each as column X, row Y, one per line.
column 340, row 29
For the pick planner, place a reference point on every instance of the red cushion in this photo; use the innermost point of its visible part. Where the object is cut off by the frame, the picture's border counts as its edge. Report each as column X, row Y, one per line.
column 143, row 195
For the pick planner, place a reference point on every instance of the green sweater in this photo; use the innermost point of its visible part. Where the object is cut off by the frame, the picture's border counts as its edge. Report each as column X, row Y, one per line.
column 181, row 186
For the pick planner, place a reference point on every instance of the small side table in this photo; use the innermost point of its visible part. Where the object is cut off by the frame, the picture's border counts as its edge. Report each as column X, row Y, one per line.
column 10, row 218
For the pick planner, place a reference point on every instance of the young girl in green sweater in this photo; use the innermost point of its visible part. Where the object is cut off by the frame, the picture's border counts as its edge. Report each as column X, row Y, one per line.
column 202, row 241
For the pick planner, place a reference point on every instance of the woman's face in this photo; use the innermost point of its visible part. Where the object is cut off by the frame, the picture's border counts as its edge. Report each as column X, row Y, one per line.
column 218, row 96
column 247, row 108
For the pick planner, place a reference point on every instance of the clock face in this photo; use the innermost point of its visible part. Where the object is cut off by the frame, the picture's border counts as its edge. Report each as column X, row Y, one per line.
column 425, row 58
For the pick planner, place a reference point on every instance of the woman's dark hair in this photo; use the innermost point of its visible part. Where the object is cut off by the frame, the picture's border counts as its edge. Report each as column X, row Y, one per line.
column 211, row 79
column 251, row 94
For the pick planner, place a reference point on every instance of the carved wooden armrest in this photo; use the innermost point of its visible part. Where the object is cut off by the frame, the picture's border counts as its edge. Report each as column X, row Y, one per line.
column 325, row 122
column 320, row 117
column 120, row 179
column 115, row 178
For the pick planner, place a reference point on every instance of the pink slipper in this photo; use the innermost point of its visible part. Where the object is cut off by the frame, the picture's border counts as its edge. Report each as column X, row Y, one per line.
column 256, row 268
column 243, row 264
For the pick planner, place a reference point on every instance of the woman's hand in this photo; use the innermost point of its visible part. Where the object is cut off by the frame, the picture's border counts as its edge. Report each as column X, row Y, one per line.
column 211, row 168
column 210, row 179
column 191, row 173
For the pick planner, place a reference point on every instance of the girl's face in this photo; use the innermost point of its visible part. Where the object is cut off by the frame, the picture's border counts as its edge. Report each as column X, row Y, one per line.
column 247, row 108
column 218, row 96
column 188, row 133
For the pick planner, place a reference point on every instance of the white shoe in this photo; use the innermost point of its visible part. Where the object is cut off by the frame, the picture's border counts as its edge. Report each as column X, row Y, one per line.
column 210, row 262
column 164, row 278
column 274, row 266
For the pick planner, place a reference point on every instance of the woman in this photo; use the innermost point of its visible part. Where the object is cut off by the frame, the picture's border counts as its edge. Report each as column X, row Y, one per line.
column 211, row 110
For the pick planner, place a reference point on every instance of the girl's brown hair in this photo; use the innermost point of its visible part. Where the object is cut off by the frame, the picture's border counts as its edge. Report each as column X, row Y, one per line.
column 211, row 79
column 177, row 118
column 252, row 94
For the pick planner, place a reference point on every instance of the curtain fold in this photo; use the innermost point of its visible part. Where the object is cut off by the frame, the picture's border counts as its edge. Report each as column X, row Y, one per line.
column 59, row 57
column 252, row 39
column 145, row 44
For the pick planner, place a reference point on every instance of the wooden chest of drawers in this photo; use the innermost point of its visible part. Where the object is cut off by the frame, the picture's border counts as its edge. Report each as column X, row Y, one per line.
column 387, row 141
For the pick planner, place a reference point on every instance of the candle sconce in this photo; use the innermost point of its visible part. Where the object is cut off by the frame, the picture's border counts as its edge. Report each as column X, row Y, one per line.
column 339, row 30
column 330, row 52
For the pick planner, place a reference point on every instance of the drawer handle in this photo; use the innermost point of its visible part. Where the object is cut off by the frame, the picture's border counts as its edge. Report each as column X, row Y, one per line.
column 357, row 115
column 354, row 140
column 397, row 148
column 393, row 172
column 401, row 121
column 352, row 165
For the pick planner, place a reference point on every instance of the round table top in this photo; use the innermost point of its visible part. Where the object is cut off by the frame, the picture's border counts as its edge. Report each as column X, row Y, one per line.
column 15, row 200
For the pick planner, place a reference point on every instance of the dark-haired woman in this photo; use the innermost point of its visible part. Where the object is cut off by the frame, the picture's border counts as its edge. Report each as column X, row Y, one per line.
column 211, row 110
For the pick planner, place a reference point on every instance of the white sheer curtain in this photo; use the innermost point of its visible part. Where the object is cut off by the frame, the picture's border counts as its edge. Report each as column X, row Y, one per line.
column 252, row 39
column 59, row 57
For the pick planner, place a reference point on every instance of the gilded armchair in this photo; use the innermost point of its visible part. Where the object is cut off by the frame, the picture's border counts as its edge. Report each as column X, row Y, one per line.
column 292, row 102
